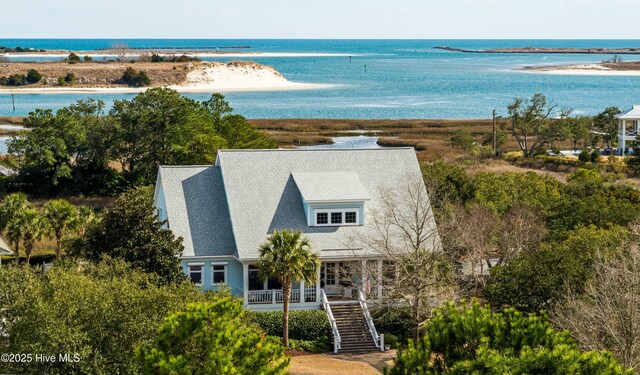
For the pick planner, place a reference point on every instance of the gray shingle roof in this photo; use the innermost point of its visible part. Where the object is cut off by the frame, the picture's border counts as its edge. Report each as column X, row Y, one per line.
column 197, row 209
column 231, row 208
column 330, row 186
column 263, row 196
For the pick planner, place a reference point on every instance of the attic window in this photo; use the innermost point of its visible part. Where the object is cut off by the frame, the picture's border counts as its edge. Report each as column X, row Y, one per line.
column 336, row 217
column 322, row 218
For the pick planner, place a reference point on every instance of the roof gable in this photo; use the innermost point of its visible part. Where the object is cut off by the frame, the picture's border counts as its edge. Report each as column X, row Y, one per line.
column 330, row 186
column 197, row 209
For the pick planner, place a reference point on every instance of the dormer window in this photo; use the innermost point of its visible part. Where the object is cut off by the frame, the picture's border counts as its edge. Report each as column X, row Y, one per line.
column 332, row 199
column 336, row 217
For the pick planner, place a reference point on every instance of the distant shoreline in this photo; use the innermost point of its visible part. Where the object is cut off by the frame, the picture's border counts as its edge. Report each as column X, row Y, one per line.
column 137, row 53
column 190, row 77
column 551, row 50
column 631, row 68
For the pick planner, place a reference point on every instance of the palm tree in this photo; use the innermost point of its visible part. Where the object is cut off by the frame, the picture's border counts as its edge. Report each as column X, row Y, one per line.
column 86, row 218
column 34, row 226
column 62, row 217
column 286, row 256
column 11, row 209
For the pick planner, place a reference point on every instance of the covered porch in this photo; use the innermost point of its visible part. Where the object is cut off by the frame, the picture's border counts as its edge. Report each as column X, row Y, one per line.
column 341, row 280
column 628, row 125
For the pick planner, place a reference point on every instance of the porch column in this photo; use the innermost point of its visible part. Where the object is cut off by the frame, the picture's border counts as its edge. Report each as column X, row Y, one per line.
column 365, row 277
column 380, row 286
column 245, row 282
column 301, row 291
column 318, row 276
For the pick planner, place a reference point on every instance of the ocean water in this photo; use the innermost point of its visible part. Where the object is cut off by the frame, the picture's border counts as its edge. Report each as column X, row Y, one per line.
column 402, row 79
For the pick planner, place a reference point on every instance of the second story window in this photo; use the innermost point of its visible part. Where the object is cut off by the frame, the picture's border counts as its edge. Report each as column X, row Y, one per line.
column 336, row 217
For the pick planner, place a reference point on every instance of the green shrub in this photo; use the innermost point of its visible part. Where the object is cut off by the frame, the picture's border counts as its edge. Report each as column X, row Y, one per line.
column 595, row 156
column 13, row 80
column 391, row 340
column 584, row 156
column 307, row 325
column 69, row 79
column 73, row 58
column 33, row 76
column 316, row 346
column 157, row 58
column 134, row 78
column 88, row 58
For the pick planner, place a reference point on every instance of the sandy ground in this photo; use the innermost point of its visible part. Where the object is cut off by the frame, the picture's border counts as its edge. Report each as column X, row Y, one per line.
column 187, row 77
column 626, row 69
column 340, row 364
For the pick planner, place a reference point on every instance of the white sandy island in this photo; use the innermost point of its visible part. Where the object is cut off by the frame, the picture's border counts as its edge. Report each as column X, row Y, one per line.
column 205, row 78
column 580, row 70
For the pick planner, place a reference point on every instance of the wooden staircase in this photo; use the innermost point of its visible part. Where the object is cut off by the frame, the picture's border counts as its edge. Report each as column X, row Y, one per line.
column 354, row 331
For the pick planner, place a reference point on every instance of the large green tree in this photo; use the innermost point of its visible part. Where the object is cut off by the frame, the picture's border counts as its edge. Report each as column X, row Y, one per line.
column 471, row 339
column 607, row 124
column 160, row 127
column 287, row 256
column 557, row 266
column 131, row 231
column 100, row 312
column 212, row 338
column 531, row 123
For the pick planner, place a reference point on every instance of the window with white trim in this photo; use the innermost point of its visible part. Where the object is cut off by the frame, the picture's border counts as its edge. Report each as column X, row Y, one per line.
column 195, row 273
column 336, row 217
column 218, row 274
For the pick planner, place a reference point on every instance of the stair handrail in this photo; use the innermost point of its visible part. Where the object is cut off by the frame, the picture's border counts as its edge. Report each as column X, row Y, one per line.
column 332, row 321
column 377, row 339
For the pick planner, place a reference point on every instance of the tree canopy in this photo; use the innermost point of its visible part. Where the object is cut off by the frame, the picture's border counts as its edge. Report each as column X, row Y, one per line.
column 467, row 339
column 212, row 338
column 85, row 148
column 131, row 231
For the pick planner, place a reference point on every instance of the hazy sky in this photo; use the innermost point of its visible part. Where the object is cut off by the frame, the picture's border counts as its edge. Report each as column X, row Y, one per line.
column 428, row 19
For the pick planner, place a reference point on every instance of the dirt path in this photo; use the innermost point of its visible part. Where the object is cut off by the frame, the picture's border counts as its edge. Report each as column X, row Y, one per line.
column 322, row 364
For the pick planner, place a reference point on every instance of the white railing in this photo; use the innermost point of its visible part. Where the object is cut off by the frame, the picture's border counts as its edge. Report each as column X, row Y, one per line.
column 310, row 294
column 273, row 296
column 294, row 295
column 257, row 297
column 378, row 339
column 332, row 321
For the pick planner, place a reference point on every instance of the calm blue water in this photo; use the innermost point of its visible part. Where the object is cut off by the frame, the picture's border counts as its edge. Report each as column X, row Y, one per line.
column 403, row 79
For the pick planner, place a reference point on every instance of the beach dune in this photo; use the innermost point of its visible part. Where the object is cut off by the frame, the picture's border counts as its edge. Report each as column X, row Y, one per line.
column 197, row 77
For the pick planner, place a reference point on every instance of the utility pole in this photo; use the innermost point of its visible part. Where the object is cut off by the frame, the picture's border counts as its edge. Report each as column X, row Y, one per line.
column 493, row 134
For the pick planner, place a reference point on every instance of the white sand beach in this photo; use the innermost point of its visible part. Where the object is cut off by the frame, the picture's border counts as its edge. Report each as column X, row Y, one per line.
column 579, row 70
column 206, row 77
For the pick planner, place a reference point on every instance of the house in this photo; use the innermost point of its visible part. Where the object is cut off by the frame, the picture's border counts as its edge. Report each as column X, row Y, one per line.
column 226, row 211
column 4, row 249
column 628, row 124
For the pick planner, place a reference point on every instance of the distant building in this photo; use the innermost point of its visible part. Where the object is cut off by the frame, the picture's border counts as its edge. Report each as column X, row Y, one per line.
column 628, row 129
